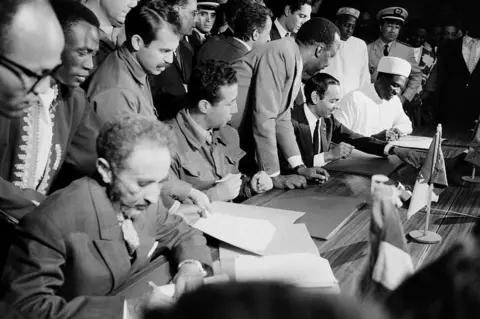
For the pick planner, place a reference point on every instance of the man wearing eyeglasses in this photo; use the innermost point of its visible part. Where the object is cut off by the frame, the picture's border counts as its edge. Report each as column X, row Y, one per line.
column 31, row 42
column 171, row 84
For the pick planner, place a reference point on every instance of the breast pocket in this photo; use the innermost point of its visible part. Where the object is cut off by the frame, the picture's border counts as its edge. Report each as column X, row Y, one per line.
column 232, row 159
column 191, row 169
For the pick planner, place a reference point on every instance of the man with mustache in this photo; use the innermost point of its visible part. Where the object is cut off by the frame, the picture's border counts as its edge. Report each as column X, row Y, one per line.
column 31, row 42
column 121, row 84
column 350, row 65
column 316, row 128
column 60, row 130
column 207, row 13
column 375, row 109
column 391, row 21
column 86, row 240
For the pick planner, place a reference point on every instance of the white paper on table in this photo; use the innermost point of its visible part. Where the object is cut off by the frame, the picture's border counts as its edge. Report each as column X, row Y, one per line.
column 169, row 290
column 288, row 239
column 250, row 234
column 274, row 215
column 417, row 142
column 303, row 270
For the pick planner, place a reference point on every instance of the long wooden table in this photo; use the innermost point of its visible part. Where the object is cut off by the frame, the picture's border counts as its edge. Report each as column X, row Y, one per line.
column 348, row 249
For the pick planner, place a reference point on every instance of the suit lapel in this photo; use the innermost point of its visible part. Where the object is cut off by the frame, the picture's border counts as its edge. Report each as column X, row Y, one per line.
column 274, row 33
column 327, row 133
column 305, row 129
column 145, row 227
column 111, row 245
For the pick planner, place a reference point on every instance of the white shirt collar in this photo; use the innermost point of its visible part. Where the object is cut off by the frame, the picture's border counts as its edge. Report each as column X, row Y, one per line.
column 281, row 29
column 244, row 43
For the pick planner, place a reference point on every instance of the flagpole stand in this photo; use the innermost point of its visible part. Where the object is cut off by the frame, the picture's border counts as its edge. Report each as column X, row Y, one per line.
column 472, row 178
column 426, row 236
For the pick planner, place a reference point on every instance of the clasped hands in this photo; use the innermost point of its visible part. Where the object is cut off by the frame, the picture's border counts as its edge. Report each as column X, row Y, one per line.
column 299, row 180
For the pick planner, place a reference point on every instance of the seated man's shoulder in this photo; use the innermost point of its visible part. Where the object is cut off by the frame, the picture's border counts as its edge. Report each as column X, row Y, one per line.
column 63, row 207
column 230, row 135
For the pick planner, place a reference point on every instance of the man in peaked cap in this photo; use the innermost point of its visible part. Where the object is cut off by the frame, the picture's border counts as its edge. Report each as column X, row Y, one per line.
column 350, row 65
column 375, row 109
column 207, row 14
column 391, row 21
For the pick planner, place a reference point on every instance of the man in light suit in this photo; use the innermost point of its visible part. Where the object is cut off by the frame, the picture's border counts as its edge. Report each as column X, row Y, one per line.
column 269, row 79
column 316, row 128
column 391, row 20
column 252, row 28
column 86, row 240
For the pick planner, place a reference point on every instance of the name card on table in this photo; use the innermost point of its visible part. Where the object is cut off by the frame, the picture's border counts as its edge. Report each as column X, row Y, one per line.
column 249, row 234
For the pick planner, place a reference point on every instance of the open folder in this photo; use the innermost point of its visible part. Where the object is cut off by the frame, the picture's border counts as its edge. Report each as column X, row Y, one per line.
column 365, row 164
column 324, row 215
column 252, row 235
column 415, row 142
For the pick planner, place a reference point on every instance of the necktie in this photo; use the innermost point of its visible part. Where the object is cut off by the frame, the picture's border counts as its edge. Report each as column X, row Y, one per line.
column 385, row 50
column 316, row 139
column 472, row 58
column 130, row 235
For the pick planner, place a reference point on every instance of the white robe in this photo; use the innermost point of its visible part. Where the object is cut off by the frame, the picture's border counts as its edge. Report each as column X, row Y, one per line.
column 365, row 113
column 350, row 65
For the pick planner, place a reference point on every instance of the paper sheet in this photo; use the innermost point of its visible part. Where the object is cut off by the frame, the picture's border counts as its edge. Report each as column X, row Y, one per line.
column 250, row 234
column 274, row 215
column 169, row 290
column 287, row 240
column 303, row 270
column 417, row 142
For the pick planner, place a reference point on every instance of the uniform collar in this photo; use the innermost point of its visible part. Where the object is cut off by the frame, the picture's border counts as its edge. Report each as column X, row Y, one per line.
column 195, row 135
column 133, row 66
column 281, row 29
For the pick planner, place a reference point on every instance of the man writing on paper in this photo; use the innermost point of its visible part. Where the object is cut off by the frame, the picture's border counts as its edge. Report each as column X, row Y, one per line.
column 86, row 240
column 316, row 128
column 269, row 79
column 375, row 110
column 208, row 152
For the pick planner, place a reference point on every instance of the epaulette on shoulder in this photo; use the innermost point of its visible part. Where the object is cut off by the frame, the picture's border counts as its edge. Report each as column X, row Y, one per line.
column 404, row 43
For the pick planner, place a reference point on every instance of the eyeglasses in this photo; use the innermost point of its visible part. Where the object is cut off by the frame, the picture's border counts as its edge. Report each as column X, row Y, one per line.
column 26, row 75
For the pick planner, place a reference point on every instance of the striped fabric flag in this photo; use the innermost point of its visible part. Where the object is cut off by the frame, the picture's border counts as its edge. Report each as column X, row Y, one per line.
column 425, row 178
column 389, row 263
column 473, row 155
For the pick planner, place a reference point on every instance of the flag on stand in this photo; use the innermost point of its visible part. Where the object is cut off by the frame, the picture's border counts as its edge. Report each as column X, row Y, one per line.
column 473, row 155
column 426, row 177
column 389, row 262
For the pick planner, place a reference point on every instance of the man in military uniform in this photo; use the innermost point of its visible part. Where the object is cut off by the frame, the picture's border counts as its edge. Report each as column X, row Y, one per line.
column 391, row 20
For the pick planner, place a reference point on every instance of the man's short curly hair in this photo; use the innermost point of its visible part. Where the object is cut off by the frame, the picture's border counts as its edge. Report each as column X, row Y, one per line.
column 207, row 78
column 251, row 17
column 119, row 137
column 316, row 31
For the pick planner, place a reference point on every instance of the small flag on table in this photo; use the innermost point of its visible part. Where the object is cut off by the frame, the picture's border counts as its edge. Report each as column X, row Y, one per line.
column 425, row 177
column 389, row 262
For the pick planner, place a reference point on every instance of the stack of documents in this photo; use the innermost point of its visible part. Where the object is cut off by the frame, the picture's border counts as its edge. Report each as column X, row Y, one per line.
column 304, row 270
column 415, row 142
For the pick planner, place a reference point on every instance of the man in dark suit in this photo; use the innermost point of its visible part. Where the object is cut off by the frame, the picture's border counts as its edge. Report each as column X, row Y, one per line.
column 252, row 28
column 86, row 240
column 291, row 14
column 269, row 79
column 170, row 85
column 316, row 128
column 459, row 78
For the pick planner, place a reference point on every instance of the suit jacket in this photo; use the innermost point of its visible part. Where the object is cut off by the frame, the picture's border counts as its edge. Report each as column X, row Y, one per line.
column 169, row 86
column 70, row 253
column 458, row 88
column 400, row 50
column 75, row 130
column 269, row 79
column 222, row 48
column 274, row 33
column 334, row 132
column 195, row 41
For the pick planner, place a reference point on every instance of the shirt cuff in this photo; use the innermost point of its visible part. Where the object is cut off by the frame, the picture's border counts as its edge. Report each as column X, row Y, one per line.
column 295, row 161
column 319, row 160
column 175, row 207
column 274, row 174
column 387, row 148
column 126, row 312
